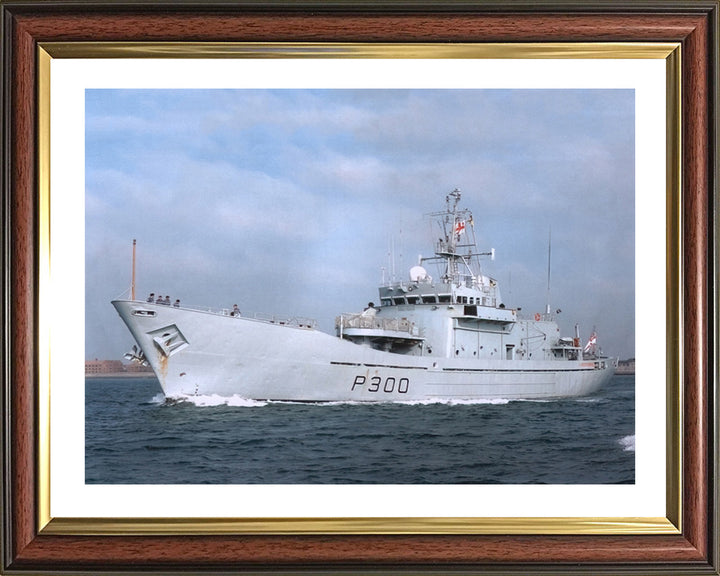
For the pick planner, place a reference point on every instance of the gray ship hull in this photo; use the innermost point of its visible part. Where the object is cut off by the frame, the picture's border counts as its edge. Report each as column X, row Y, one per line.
column 195, row 352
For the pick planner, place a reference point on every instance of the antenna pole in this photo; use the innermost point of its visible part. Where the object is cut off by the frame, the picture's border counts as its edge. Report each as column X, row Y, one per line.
column 132, row 285
column 392, row 251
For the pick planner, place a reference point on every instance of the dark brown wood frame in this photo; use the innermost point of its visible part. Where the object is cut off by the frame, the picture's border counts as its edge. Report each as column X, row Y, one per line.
column 694, row 24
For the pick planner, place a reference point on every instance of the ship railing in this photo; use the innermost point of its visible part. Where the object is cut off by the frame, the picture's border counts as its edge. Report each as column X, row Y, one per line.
column 285, row 320
column 345, row 321
column 537, row 317
column 298, row 321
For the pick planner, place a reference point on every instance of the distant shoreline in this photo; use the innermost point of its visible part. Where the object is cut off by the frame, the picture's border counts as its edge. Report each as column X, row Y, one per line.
column 120, row 375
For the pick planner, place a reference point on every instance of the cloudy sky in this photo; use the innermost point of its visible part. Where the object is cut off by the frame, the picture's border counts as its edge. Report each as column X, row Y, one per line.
column 287, row 201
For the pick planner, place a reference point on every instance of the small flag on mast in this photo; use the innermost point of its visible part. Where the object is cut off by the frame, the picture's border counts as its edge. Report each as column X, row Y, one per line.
column 591, row 343
column 459, row 227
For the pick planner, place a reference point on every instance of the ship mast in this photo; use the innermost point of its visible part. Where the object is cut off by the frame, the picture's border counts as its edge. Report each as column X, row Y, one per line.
column 452, row 228
column 132, row 282
column 547, row 301
column 454, row 225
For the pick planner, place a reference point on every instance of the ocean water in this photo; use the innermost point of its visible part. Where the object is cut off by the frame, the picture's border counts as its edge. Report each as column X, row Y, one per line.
column 133, row 436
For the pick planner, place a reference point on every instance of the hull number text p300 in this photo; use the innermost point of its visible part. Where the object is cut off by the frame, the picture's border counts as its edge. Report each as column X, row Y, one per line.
column 377, row 384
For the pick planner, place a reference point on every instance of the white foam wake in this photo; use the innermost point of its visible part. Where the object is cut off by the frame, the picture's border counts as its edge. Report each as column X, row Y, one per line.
column 210, row 400
column 628, row 443
column 216, row 400
column 454, row 401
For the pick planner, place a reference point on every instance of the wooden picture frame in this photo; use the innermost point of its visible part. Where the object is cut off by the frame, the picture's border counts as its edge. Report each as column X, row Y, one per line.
column 693, row 547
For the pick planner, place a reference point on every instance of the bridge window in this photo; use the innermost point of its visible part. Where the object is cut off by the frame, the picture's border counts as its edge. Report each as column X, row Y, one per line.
column 429, row 299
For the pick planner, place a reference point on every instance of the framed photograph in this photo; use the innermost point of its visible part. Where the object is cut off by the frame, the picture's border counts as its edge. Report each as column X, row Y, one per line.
column 182, row 181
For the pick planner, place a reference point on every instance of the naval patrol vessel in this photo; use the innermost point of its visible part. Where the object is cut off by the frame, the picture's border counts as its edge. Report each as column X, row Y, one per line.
column 448, row 338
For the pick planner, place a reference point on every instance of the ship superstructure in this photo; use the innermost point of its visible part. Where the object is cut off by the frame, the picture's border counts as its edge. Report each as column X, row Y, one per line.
column 448, row 337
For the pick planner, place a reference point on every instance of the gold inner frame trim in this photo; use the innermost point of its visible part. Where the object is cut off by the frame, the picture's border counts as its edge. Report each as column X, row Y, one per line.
column 355, row 526
column 388, row 525
column 609, row 50
column 44, row 306
column 674, row 309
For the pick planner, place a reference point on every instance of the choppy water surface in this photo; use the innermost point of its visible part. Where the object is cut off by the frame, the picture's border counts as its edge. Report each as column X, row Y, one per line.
column 134, row 437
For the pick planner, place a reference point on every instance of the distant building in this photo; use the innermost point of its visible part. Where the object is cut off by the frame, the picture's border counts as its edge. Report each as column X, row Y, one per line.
column 626, row 366
column 98, row 367
column 103, row 366
column 135, row 368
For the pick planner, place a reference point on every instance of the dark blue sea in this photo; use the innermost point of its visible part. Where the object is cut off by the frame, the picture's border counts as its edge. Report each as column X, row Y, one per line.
column 132, row 436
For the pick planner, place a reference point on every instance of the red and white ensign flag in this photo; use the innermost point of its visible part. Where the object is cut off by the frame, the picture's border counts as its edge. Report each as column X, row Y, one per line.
column 591, row 343
column 459, row 227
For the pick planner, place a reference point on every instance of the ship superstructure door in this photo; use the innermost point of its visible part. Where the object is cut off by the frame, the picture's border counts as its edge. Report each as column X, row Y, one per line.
column 509, row 351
